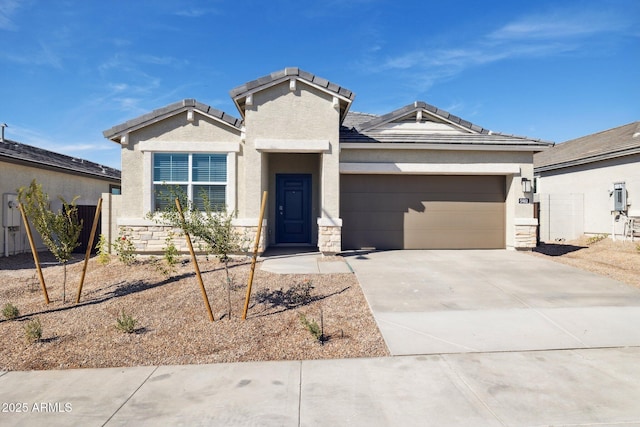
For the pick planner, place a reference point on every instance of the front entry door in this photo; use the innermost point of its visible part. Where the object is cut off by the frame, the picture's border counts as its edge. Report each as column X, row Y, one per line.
column 293, row 208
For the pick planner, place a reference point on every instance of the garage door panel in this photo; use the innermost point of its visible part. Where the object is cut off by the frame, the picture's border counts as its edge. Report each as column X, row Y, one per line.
column 414, row 212
column 456, row 239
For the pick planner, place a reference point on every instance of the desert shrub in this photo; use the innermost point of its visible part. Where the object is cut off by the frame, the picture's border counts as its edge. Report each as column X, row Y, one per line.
column 170, row 255
column 10, row 311
column 595, row 239
column 210, row 224
column 314, row 329
column 60, row 232
column 33, row 330
column 126, row 323
column 124, row 248
column 103, row 250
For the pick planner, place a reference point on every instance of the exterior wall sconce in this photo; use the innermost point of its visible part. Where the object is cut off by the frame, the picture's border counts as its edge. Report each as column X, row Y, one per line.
column 526, row 185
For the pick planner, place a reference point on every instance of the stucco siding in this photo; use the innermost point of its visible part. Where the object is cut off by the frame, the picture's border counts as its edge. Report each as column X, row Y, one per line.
column 13, row 176
column 278, row 113
column 593, row 182
column 175, row 134
column 178, row 128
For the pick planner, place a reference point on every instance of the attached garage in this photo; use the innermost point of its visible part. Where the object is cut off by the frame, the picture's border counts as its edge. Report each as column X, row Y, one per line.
column 423, row 211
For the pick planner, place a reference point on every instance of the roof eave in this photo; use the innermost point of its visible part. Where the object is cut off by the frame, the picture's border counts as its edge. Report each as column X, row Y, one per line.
column 58, row 168
column 115, row 133
column 587, row 160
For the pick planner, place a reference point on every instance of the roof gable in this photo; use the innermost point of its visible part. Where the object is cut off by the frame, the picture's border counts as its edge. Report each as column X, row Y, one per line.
column 163, row 113
column 242, row 94
column 611, row 143
column 425, row 116
column 422, row 123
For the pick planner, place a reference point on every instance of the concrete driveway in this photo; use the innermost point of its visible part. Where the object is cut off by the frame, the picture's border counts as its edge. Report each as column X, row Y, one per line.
column 438, row 301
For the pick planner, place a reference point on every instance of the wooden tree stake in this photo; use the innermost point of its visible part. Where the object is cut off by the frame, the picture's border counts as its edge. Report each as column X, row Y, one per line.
column 255, row 256
column 195, row 263
column 34, row 251
column 89, row 247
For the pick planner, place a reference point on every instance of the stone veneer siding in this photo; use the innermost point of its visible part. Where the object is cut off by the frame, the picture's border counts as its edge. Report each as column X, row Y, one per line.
column 329, row 239
column 525, row 236
column 152, row 239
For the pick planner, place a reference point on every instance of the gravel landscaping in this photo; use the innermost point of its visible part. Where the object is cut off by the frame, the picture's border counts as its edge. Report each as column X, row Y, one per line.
column 618, row 259
column 172, row 325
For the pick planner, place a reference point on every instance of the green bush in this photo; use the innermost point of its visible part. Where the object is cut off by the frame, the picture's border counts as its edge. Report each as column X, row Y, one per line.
column 125, row 249
column 317, row 331
column 10, row 311
column 125, row 323
column 103, row 250
column 33, row 330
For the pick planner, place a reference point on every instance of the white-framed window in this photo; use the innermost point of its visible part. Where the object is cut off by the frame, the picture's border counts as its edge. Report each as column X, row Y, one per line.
column 202, row 176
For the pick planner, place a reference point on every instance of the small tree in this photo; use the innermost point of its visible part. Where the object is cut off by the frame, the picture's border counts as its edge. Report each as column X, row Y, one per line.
column 211, row 224
column 60, row 231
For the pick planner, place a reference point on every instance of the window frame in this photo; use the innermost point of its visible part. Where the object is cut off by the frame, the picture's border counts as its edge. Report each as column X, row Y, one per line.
column 190, row 183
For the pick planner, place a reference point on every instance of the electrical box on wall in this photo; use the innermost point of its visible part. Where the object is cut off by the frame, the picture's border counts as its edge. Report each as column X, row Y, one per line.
column 619, row 197
column 10, row 210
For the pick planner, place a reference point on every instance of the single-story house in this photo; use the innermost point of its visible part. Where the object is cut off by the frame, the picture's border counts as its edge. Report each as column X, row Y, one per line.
column 589, row 185
column 417, row 177
column 59, row 175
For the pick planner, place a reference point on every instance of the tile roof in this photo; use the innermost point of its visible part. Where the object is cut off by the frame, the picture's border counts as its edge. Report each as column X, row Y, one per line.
column 363, row 127
column 240, row 93
column 291, row 72
column 15, row 152
column 168, row 110
column 616, row 142
column 421, row 105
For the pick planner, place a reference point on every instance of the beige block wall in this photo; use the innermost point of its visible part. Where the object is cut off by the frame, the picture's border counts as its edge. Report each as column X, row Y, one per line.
column 593, row 182
column 54, row 183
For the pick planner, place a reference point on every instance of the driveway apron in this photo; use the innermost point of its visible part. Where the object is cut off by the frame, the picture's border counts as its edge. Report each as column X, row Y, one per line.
column 439, row 301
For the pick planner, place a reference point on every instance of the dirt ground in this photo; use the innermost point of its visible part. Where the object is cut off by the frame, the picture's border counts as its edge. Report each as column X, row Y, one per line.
column 172, row 322
column 618, row 260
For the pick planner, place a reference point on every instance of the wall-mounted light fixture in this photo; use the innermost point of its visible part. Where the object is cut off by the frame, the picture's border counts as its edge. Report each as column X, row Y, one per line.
column 526, row 185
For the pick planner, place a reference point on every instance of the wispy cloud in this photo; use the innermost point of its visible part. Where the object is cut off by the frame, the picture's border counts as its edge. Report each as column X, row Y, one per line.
column 7, row 9
column 534, row 36
column 195, row 12
column 45, row 56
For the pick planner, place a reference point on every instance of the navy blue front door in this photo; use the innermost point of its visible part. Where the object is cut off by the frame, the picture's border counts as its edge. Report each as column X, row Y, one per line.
column 293, row 208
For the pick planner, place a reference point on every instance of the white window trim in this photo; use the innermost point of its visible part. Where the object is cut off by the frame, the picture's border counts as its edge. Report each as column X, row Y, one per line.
column 147, row 170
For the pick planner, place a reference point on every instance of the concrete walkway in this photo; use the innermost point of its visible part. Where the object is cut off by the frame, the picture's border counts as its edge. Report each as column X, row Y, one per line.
column 573, row 387
column 432, row 302
column 292, row 261
column 458, row 303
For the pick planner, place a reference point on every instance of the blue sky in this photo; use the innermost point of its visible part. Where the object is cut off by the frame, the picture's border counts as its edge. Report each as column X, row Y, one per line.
column 554, row 70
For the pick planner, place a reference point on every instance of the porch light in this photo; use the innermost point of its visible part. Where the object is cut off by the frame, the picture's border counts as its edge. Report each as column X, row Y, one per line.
column 526, row 185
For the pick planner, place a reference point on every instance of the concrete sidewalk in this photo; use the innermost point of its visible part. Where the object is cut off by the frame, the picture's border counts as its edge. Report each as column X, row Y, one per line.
column 570, row 387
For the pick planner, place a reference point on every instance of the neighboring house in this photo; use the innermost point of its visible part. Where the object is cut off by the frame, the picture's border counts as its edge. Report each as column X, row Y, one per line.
column 417, row 177
column 580, row 181
column 59, row 175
